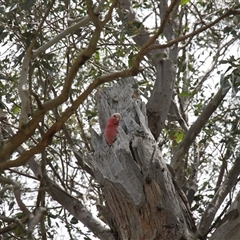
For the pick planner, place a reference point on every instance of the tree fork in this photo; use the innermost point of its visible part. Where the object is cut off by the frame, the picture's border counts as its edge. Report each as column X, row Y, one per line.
column 136, row 208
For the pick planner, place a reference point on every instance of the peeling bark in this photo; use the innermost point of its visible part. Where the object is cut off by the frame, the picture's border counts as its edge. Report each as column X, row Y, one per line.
column 142, row 200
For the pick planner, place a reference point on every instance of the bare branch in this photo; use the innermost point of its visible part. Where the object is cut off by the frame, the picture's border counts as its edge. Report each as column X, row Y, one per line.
column 109, row 14
column 77, row 209
column 46, row 140
column 210, row 212
column 15, row 223
column 73, row 205
column 160, row 99
column 33, row 218
column 196, row 127
column 16, row 190
column 192, row 184
column 223, row 168
column 29, row 128
column 228, row 226
column 151, row 40
column 224, row 47
column 44, row 18
column 23, row 88
column 36, row 218
column 84, row 21
column 194, row 33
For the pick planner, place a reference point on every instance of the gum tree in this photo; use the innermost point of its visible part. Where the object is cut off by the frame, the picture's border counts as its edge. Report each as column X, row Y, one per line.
column 171, row 68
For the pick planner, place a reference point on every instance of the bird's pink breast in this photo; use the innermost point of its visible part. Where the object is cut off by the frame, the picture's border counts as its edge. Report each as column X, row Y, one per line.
column 110, row 132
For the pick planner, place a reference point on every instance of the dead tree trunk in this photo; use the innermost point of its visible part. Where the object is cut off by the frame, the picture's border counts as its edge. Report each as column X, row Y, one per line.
column 142, row 200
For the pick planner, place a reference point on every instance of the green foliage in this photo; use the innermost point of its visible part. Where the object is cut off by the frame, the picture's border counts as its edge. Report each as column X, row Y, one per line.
column 204, row 63
column 183, row 2
column 74, row 220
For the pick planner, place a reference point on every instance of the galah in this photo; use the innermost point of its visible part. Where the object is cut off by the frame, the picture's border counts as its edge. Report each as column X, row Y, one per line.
column 110, row 132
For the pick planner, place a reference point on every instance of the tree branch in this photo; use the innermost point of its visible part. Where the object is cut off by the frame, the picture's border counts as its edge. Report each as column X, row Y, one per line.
column 151, row 40
column 23, row 88
column 47, row 138
column 224, row 47
column 28, row 129
column 196, row 127
column 13, row 224
column 67, row 31
column 33, row 218
column 78, row 210
column 229, row 182
column 228, row 226
column 71, row 204
column 194, row 33
column 16, row 190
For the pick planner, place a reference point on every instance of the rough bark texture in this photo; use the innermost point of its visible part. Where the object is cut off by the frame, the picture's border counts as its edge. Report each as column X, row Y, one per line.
column 142, row 199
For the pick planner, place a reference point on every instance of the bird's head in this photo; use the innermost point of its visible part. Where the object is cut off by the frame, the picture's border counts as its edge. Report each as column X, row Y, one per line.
column 114, row 119
column 116, row 116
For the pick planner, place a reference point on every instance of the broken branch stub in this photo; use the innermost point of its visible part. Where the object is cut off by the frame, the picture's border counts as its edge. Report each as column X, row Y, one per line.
column 137, row 186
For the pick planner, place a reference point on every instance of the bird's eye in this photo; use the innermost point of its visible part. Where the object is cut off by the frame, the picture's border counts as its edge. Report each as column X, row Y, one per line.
column 114, row 115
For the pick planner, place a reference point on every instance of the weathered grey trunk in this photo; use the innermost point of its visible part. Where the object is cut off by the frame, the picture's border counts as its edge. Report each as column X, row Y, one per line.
column 142, row 200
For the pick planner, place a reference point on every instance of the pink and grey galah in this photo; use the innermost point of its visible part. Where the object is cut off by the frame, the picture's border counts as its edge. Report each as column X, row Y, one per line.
column 110, row 132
